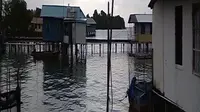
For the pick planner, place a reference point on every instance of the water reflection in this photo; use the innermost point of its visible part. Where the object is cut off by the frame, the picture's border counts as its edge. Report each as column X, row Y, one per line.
column 52, row 86
column 62, row 90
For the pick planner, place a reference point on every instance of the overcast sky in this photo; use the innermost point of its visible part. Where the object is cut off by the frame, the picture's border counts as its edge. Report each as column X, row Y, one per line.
column 122, row 7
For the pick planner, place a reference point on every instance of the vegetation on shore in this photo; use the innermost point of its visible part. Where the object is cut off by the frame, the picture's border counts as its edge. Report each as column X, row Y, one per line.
column 16, row 19
column 102, row 20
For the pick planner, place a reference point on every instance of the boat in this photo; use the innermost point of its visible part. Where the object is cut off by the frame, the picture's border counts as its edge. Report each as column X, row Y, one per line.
column 45, row 55
column 141, row 55
column 139, row 93
column 8, row 100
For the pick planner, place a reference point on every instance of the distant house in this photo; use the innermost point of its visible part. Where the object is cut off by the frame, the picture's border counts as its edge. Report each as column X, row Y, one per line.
column 62, row 22
column 142, row 27
column 91, row 27
column 176, row 61
column 36, row 24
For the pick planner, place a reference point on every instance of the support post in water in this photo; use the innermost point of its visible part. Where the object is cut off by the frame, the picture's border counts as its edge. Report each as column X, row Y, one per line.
column 28, row 48
column 99, row 49
column 131, row 48
column 49, row 47
column 123, row 47
column 81, row 51
column 147, row 47
column 103, row 48
column 92, row 48
column 139, row 47
column 40, row 47
column 76, row 52
column 116, row 48
column 15, row 48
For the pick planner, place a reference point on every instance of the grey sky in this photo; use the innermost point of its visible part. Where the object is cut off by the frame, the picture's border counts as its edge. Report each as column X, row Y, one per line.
column 122, row 7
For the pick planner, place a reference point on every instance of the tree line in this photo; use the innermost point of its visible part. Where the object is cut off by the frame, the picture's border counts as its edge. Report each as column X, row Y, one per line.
column 102, row 20
column 16, row 18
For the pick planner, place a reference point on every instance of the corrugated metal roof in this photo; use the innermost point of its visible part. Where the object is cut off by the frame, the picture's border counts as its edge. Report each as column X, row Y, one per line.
column 91, row 21
column 61, row 11
column 140, row 18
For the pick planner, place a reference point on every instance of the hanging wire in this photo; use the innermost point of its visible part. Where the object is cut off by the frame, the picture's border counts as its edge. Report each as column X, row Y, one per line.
column 111, row 80
column 37, row 79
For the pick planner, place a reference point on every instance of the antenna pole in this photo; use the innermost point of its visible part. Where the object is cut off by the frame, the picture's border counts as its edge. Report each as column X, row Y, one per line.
column 108, row 58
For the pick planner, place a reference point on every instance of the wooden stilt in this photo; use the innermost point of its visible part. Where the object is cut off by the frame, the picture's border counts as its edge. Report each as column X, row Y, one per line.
column 99, row 49
column 91, row 48
column 139, row 47
column 131, row 48
column 76, row 52
column 28, row 49
column 94, row 48
column 116, row 48
column 147, row 47
column 123, row 47
column 103, row 48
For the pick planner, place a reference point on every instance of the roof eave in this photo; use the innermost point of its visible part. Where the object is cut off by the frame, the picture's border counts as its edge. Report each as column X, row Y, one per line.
column 151, row 4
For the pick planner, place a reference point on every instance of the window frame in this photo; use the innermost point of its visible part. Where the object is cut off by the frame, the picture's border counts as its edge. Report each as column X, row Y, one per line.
column 195, row 29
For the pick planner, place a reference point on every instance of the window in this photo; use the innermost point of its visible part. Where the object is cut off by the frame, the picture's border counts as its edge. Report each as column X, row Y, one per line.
column 35, row 26
column 196, row 38
column 178, row 34
column 142, row 28
column 150, row 28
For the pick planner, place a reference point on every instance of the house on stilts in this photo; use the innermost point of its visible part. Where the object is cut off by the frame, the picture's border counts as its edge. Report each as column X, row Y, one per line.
column 91, row 27
column 142, row 34
column 64, row 25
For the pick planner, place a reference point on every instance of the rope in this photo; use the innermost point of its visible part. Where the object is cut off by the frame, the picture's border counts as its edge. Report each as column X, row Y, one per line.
column 123, row 98
column 37, row 79
column 111, row 89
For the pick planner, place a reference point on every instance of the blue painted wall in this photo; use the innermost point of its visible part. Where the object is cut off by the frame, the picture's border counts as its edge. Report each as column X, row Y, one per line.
column 53, row 29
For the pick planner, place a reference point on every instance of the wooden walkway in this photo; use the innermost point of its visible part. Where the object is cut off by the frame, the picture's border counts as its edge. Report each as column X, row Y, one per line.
column 88, row 40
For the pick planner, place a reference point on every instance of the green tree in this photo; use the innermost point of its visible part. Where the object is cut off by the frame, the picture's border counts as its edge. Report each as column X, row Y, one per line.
column 88, row 16
column 16, row 17
column 37, row 12
column 102, row 21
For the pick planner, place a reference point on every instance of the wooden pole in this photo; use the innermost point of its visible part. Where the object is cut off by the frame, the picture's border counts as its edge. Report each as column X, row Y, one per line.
column 99, row 49
column 116, row 48
column 76, row 52
column 123, row 47
column 131, row 48
column 71, row 44
column 103, row 48
column 92, row 48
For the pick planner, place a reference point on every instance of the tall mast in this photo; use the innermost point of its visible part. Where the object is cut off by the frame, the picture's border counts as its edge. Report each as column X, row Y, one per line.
column 109, row 23
column 108, row 58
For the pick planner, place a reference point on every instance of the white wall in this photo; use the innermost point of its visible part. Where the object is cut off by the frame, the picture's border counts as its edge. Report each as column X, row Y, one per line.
column 79, row 33
column 178, row 83
column 147, row 28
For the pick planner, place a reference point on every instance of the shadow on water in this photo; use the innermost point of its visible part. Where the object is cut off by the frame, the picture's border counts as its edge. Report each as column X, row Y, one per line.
column 11, row 63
